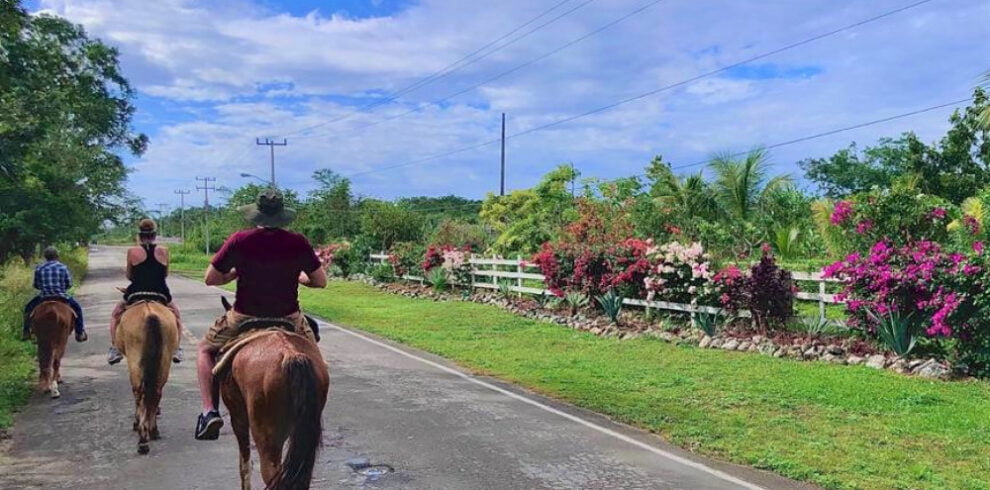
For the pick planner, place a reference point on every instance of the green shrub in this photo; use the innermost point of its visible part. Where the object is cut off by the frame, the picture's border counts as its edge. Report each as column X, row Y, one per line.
column 611, row 303
column 710, row 323
column 438, row 279
column 575, row 300
column 381, row 272
column 895, row 330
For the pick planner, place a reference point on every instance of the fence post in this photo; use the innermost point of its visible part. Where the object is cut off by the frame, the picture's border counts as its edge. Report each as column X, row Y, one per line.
column 821, row 298
column 519, row 270
column 473, row 270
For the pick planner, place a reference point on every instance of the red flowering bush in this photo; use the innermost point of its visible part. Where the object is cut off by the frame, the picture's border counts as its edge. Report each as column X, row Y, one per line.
column 594, row 270
column 433, row 257
column 731, row 288
column 404, row 257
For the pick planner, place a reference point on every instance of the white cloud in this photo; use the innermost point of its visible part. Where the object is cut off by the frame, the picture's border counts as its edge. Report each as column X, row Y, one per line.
column 241, row 70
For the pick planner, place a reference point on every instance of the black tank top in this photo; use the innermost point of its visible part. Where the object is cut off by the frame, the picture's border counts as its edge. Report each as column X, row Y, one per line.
column 149, row 275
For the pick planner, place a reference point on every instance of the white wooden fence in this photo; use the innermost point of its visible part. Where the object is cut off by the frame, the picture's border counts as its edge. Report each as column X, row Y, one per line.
column 487, row 272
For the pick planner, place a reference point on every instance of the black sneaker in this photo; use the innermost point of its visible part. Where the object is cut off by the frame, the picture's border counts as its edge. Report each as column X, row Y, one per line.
column 208, row 426
column 82, row 337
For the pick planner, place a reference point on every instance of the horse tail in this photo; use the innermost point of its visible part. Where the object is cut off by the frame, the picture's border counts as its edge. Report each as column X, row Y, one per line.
column 307, row 429
column 151, row 361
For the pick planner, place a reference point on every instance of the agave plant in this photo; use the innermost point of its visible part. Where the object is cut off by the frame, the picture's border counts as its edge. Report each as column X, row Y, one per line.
column 438, row 279
column 505, row 288
column 543, row 299
column 816, row 325
column 895, row 330
column 575, row 301
column 611, row 302
column 709, row 323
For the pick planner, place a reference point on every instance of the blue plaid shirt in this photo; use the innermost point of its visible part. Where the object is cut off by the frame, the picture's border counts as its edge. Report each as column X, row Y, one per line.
column 53, row 279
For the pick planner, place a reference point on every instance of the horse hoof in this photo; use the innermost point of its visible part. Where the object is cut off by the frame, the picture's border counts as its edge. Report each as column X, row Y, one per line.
column 155, row 435
column 144, row 448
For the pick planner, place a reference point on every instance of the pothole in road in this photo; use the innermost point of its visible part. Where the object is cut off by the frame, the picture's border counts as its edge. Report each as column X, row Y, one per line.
column 365, row 468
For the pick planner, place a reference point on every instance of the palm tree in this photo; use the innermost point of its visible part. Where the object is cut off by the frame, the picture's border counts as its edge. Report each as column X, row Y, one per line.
column 743, row 185
column 689, row 196
column 985, row 115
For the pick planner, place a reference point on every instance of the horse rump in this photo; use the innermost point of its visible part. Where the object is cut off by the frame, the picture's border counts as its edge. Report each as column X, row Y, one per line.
column 306, row 434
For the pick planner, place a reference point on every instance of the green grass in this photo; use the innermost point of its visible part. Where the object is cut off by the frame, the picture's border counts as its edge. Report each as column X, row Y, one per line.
column 188, row 263
column 837, row 426
column 17, row 358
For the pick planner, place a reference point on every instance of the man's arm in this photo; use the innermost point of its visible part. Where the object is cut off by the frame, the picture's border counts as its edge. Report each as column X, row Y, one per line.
column 217, row 278
column 315, row 279
column 66, row 278
column 37, row 279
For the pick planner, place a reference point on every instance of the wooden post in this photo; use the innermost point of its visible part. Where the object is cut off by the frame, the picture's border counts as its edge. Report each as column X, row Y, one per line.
column 821, row 298
column 519, row 270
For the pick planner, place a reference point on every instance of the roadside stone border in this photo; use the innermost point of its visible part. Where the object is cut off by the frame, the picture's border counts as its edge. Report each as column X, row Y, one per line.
column 800, row 349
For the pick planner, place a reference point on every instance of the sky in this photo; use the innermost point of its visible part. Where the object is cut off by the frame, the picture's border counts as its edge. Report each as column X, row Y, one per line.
column 353, row 85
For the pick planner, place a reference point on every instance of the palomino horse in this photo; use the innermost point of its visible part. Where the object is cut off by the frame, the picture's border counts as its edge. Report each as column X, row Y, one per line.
column 51, row 322
column 148, row 336
column 275, row 388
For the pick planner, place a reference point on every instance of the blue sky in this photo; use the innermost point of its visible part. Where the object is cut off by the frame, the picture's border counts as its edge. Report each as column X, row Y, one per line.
column 213, row 76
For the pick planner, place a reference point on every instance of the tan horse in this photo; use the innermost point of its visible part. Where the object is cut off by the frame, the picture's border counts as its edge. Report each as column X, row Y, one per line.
column 52, row 323
column 275, row 389
column 147, row 336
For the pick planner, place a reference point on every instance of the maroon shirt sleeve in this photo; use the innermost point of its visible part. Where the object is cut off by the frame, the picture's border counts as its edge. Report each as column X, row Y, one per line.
column 226, row 257
column 310, row 262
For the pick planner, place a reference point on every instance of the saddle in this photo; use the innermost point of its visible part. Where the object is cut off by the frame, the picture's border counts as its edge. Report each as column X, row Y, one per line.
column 52, row 299
column 245, row 337
column 143, row 296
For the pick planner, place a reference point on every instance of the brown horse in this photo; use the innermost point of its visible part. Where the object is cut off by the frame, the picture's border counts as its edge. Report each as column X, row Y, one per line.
column 52, row 323
column 275, row 388
column 148, row 336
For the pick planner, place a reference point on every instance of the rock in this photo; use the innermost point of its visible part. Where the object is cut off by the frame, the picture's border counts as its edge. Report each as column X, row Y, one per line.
column 794, row 351
column 667, row 336
column 744, row 345
column 781, row 352
column 757, row 339
column 899, row 366
column 933, row 369
column 834, row 359
column 876, row 361
column 716, row 343
column 835, row 350
column 915, row 363
column 854, row 360
column 596, row 331
column 705, row 342
column 810, row 353
column 731, row 344
column 767, row 348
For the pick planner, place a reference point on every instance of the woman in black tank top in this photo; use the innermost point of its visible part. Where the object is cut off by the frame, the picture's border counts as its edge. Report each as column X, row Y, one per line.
column 147, row 276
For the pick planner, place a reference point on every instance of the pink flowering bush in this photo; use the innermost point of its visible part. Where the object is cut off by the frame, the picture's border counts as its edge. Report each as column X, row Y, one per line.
column 896, row 216
column 337, row 258
column 941, row 292
column 678, row 273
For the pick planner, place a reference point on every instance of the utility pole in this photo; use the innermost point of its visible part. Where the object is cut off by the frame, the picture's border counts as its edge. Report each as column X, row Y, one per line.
column 182, row 213
column 501, row 191
column 573, row 178
column 162, row 207
column 271, row 144
column 206, row 188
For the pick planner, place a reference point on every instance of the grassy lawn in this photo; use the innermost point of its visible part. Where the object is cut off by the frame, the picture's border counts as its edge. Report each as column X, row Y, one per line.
column 840, row 427
column 17, row 358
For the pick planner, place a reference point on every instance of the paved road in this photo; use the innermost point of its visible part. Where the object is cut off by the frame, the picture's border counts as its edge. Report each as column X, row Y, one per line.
column 435, row 426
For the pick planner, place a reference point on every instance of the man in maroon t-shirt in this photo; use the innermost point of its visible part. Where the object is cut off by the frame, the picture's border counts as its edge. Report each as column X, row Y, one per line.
column 269, row 263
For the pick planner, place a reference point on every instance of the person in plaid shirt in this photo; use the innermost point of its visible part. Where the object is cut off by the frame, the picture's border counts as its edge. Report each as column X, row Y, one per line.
column 53, row 280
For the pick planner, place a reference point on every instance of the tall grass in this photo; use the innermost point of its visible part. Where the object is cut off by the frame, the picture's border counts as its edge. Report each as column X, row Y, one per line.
column 17, row 357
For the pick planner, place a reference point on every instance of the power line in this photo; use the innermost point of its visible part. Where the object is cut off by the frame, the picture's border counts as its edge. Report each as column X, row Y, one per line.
column 447, row 70
column 655, row 91
column 832, row 131
column 504, row 73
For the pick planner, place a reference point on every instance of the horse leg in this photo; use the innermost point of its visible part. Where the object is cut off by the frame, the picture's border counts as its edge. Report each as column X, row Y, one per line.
column 153, row 417
column 270, row 454
column 239, row 423
column 142, row 423
column 44, row 365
